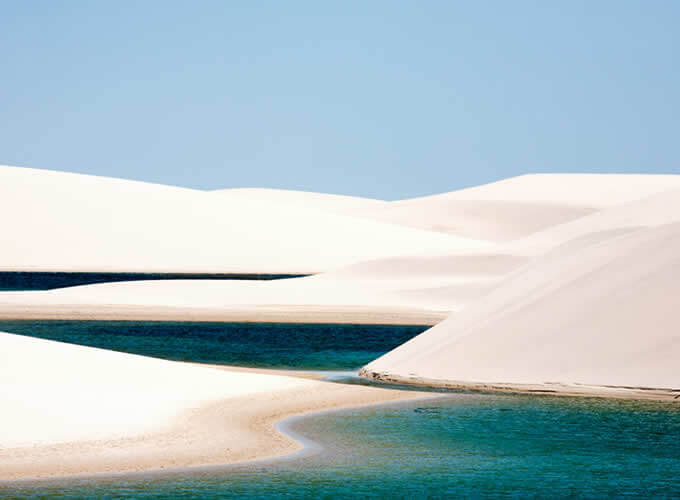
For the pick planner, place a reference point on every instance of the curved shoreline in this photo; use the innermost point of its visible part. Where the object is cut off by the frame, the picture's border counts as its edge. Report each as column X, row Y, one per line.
column 548, row 388
column 231, row 431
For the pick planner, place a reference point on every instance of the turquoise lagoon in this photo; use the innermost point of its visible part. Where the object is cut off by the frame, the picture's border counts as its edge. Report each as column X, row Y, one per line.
column 461, row 444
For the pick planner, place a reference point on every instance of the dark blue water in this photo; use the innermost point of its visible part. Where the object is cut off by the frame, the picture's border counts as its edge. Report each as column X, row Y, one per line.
column 465, row 445
column 270, row 345
column 17, row 281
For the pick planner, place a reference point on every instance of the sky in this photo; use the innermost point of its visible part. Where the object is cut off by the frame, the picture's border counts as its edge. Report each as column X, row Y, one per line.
column 385, row 99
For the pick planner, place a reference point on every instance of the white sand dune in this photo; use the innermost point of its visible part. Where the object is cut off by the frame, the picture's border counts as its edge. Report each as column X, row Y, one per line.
column 520, row 206
column 485, row 220
column 603, row 312
column 443, row 283
column 440, row 269
column 67, row 222
column 595, row 306
column 69, row 409
column 391, row 288
column 403, row 290
column 590, row 190
column 98, row 394
column 413, row 273
column 653, row 210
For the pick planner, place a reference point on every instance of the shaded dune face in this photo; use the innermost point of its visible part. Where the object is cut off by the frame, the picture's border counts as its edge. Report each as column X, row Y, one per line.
column 399, row 268
column 596, row 305
column 445, row 283
column 653, row 210
column 518, row 207
column 603, row 314
column 496, row 221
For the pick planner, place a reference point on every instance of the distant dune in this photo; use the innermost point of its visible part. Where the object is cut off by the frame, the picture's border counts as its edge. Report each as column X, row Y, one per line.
column 520, row 206
column 71, row 222
column 651, row 210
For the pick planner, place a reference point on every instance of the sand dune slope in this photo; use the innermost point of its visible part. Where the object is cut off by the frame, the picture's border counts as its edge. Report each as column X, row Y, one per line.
column 69, row 409
column 590, row 190
column 56, row 221
column 520, row 206
column 601, row 312
column 444, row 283
column 374, row 271
column 486, row 220
column 52, row 392
column 653, row 210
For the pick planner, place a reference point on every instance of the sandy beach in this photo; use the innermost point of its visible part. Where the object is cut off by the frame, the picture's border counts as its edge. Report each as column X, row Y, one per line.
column 225, row 432
column 101, row 411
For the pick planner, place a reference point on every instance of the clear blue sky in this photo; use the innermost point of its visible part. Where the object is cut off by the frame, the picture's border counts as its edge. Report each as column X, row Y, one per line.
column 384, row 99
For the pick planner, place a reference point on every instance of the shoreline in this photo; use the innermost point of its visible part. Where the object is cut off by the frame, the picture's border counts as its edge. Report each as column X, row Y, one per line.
column 547, row 388
column 305, row 374
column 306, row 447
column 257, row 314
column 229, row 431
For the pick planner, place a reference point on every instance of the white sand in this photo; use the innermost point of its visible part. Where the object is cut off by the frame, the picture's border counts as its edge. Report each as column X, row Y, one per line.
column 392, row 290
column 591, row 190
column 67, row 222
column 70, row 409
column 531, row 214
column 517, row 207
column 485, row 220
column 598, row 309
column 53, row 392
column 649, row 211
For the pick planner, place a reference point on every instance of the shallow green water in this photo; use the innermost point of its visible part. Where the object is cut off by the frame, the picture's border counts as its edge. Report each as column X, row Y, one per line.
column 270, row 345
column 464, row 445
